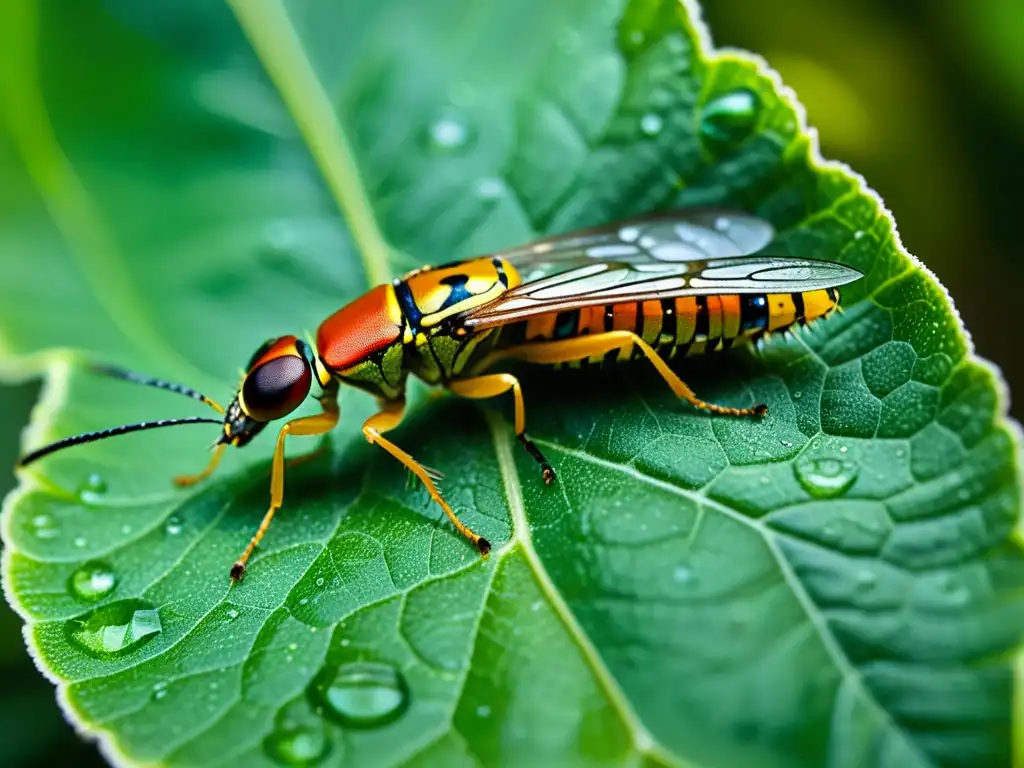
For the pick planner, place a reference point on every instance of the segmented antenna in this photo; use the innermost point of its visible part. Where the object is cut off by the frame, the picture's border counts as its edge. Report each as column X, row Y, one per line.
column 90, row 437
column 116, row 372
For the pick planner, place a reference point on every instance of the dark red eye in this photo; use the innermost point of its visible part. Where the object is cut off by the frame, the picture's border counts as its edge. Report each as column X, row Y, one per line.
column 276, row 388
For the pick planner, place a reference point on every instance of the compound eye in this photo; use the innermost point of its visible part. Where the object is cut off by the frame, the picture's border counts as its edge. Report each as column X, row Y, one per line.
column 276, row 388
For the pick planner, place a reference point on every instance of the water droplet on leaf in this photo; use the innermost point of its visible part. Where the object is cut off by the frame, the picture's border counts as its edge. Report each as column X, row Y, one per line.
column 92, row 488
column 114, row 629
column 363, row 694
column 45, row 526
column 728, row 120
column 490, row 188
column 173, row 526
column 92, row 581
column 483, row 711
column 682, row 574
column 866, row 578
column 651, row 124
column 292, row 744
column 825, row 478
column 447, row 134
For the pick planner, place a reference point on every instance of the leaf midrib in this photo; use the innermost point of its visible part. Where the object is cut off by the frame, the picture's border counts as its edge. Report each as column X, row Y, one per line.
column 277, row 45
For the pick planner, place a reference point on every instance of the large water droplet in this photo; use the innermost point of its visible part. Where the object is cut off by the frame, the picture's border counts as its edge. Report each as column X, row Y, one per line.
column 114, row 629
column 728, row 120
column 363, row 694
column 448, row 133
column 651, row 124
column 92, row 581
column 824, row 478
column 291, row 744
column 92, row 488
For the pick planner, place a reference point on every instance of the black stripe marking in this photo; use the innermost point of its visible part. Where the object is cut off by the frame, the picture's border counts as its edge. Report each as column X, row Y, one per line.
column 798, row 302
column 500, row 269
column 408, row 306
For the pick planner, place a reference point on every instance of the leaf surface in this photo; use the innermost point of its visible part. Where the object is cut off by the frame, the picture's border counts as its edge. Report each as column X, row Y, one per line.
column 837, row 584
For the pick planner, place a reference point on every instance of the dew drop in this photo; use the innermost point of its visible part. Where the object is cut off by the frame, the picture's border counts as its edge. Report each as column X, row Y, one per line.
column 320, row 581
column 728, row 120
column 362, row 694
column 45, row 526
column 92, row 581
column 866, row 578
column 629, row 234
column 536, row 605
column 858, row 234
column 447, row 134
column 114, row 629
column 651, row 124
column 682, row 574
column 173, row 526
column 483, row 711
column 797, row 395
column 81, row 541
column 232, row 614
column 825, row 478
column 159, row 691
column 722, row 223
column 92, row 488
column 490, row 188
column 292, row 744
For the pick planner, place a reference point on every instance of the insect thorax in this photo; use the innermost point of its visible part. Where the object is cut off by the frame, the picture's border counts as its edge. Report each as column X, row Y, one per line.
column 432, row 301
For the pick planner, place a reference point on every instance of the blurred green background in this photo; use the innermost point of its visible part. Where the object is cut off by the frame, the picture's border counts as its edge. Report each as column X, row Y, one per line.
column 925, row 98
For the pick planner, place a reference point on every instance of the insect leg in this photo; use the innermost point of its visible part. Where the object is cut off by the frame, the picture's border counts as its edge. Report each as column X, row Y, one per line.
column 583, row 347
column 307, row 425
column 492, row 385
column 186, row 480
column 387, row 419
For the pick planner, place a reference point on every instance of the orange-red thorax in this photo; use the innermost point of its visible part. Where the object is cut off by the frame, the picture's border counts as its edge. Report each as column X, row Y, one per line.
column 366, row 326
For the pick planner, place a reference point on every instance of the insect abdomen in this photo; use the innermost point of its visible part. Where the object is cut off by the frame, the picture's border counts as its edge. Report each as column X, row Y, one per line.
column 684, row 325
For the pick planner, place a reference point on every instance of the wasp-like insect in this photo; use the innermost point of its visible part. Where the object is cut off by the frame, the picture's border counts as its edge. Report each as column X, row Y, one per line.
column 660, row 287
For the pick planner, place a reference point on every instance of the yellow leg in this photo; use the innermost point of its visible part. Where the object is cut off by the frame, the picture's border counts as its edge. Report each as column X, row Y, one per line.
column 308, row 425
column 387, row 419
column 492, row 385
column 186, row 480
column 582, row 347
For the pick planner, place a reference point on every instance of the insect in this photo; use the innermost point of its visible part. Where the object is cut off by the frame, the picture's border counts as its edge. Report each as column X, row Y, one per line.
column 657, row 288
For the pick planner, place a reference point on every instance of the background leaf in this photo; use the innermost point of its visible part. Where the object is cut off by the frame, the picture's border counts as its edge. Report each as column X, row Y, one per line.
column 839, row 580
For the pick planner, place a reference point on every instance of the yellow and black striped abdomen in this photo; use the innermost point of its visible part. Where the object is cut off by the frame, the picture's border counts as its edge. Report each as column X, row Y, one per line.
column 685, row 325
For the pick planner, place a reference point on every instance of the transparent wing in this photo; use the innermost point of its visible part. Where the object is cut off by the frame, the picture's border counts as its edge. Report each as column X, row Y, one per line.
column 673, row 237
column 613, row 282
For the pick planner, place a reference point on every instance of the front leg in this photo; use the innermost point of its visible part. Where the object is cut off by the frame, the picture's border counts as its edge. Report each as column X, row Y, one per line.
column 389, row 417
column 307, row 425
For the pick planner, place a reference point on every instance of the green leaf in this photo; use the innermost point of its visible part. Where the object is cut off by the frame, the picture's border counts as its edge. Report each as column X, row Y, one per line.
column 837, row 584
